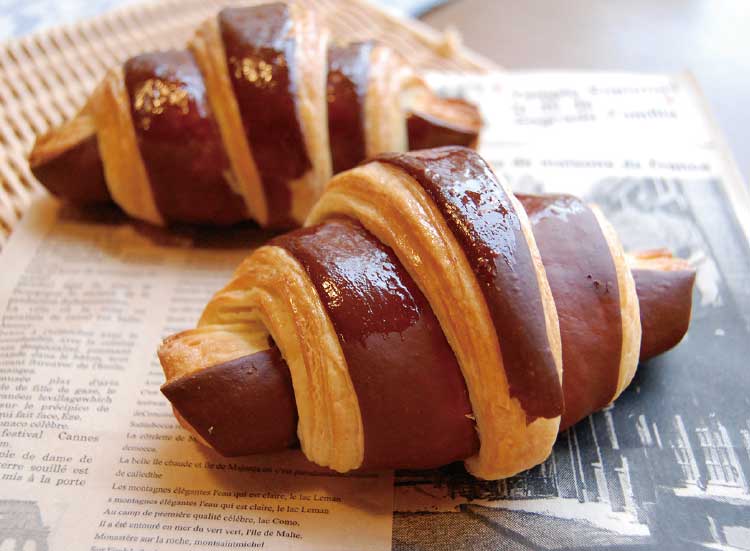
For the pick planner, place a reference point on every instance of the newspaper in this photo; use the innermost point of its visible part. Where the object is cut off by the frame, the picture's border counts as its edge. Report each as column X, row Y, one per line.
column 91, row 457
column 667, row 465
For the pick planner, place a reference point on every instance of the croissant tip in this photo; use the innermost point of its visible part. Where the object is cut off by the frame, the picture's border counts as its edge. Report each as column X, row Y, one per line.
column 67, row 163
column 434, row 121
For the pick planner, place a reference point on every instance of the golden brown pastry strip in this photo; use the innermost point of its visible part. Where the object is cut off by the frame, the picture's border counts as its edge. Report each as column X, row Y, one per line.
column 124, row 170
column 208, row 49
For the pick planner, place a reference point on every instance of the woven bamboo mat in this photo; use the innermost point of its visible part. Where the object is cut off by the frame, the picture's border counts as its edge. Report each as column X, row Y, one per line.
column 46, row 77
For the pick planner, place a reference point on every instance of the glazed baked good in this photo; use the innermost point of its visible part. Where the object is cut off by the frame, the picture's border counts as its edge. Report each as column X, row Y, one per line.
column 424, row 315
column 249, row 122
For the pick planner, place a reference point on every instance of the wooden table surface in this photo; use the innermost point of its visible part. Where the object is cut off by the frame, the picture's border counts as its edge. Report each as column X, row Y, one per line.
column 708, row 37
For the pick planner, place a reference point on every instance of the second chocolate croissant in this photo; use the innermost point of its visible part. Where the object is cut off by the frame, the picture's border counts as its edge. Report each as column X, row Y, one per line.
column 425, row 315
column 249, row 122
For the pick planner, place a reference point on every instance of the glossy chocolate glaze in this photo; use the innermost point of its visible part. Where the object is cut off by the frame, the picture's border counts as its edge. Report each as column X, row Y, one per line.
column 427, row 130
column 240, row 407
column 260, row 43
column 583, row 279
column 348, row 71
column 411, row 393
column 179, row 141
column 666, row 299
column 484, row 222
column 80, row 165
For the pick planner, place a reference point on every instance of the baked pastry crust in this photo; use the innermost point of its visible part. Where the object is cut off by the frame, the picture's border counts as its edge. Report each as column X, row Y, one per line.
column 263, row 70
column 315, row 293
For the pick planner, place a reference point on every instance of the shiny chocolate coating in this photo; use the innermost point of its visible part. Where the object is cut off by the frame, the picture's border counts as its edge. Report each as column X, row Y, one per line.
column 666, row 299
column 482, row 218
column 412, row 396
column 260, row 46
column 240, row 407
column 348, row 71
column 583, row 279
column 80, row 164
column 179, row 140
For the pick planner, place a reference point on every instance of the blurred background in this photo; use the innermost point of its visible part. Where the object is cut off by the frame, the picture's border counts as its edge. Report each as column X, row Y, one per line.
column 707, row 37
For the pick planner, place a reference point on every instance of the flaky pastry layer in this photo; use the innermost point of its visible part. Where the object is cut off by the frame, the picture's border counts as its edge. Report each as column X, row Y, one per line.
column 208, row 345
column 310, row 72
column 125, row 172
column 384, row 113
column 208, row 50
column 629, row 308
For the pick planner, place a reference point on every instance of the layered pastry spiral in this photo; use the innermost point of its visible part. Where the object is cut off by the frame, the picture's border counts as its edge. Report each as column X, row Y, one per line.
column 425, row 315
column 250, row 122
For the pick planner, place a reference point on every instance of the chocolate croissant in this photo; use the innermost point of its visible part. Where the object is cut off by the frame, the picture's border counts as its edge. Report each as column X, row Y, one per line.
column 249, row 122
column 425, row 315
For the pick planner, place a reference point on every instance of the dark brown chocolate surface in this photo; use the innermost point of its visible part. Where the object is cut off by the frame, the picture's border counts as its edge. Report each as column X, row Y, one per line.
column 348, row 71
column 484, row 222
column 76, row 175
column 240, row 407
column 260, row 45
column 411, row 393
column 428, row 129
column 426, row 132
column 583, row 279
column 666, row 300
column 179, row 141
